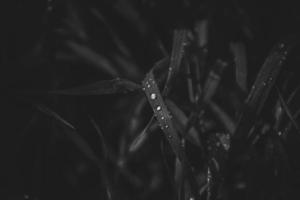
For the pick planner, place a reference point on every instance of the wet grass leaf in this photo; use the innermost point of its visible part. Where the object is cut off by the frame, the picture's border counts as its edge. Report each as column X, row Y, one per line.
column 263, row 85
column 164, row 119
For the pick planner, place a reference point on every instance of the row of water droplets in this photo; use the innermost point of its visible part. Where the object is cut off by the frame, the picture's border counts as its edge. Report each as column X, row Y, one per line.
column 282, row 59
column 158, row 108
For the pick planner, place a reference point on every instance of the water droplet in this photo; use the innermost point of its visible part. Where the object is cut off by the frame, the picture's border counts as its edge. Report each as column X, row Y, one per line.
column 162, row 118
column 264, row 83
column 169, row 137
column 192, row 198
column 143, row 88
column 166, row 126
column 279, row 133
column 26, row 196
column 153, row 96
column 148, row 85
column 158, row 108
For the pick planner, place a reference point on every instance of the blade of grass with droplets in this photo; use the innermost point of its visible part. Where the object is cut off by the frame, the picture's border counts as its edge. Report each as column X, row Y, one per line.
column 262, row 86
column 239, row 53
column 164, row 119
column 179, row 43
column 101, row 87
column 257, row 97
column 267, row 76
column 141, row 138
column 181, row 121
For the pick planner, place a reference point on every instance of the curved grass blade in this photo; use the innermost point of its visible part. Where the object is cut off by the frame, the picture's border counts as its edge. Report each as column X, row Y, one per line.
column 262, row 86
column 98, row 130
column 239, row 52
column 141, row 138
column 95, row 59
column 101, row 87
column 53, row 114
column 179, row 43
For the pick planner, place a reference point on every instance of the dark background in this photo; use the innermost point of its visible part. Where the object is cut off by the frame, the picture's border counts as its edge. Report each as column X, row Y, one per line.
column 38, row 158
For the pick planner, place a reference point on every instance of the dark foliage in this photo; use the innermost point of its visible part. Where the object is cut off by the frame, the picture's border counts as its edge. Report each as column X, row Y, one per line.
column 149, row 99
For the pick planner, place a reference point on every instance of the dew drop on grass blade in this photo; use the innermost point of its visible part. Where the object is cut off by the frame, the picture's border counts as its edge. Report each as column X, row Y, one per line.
column 164, row 119
column 260, row 90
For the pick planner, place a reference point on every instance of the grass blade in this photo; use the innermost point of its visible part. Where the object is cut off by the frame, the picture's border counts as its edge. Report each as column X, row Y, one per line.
column 179, row 43
column 213, row 80
column 262, row 86
column 287, row 110
column 101, row 88
column 181, row 121
column 164, row 119
column 95, row 59
column 239, row 52
column 54, row 115
column 141, row 138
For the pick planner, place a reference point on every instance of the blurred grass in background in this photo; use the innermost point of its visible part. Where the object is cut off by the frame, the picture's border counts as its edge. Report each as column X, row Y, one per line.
column 76, row 123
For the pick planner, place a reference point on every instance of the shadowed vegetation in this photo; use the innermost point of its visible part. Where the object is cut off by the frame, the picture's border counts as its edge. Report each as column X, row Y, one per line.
column 148, row 99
